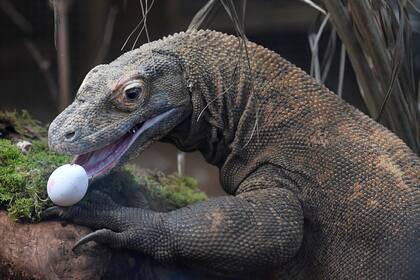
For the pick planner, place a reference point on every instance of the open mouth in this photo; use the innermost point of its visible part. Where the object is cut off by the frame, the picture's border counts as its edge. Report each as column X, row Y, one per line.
column 100, row 161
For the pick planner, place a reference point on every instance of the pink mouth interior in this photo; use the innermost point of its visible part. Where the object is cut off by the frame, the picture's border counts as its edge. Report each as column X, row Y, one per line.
column 100, row 161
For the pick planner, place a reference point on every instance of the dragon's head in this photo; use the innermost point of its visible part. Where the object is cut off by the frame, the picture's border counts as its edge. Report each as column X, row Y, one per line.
column 120, row 109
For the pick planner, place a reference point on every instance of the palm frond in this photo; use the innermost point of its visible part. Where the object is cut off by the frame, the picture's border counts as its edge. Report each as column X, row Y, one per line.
column 205, row 13
column 315, row 6
column 314, row 38
column 377, row 36
column 145, row 9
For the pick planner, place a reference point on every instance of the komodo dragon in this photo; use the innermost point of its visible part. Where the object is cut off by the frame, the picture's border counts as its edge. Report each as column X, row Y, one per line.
column 316, row 189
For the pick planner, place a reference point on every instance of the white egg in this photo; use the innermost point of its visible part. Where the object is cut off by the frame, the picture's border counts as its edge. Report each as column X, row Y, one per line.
column 67, row 185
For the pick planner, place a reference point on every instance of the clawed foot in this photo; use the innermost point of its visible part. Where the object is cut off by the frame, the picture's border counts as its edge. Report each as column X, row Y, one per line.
column 97, row 211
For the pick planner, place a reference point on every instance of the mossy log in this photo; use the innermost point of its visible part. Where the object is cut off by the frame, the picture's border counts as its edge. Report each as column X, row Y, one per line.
column 44, row 250
column 35, row 249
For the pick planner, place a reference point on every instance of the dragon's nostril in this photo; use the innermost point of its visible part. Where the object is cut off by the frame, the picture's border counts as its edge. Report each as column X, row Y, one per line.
column 70, row 135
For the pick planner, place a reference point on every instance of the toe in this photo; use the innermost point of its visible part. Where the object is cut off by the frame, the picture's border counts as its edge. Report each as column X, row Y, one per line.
column 52, row 213
column 104, row 236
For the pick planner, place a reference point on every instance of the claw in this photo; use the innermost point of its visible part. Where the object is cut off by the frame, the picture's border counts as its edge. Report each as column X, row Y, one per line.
column 85, row 239
column 97, row 236
column 52, row 212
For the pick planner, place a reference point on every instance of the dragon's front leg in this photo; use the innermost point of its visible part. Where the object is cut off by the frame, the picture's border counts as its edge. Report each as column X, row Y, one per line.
column 252, row 231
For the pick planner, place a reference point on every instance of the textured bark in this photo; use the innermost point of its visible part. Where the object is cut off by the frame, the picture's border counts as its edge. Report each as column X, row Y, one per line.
column 44, row 251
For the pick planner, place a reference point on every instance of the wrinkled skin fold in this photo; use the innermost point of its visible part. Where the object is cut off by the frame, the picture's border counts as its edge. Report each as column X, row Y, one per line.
column 315, row 189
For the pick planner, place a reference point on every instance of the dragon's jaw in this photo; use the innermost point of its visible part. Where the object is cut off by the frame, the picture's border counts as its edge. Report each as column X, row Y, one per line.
column 102, row 160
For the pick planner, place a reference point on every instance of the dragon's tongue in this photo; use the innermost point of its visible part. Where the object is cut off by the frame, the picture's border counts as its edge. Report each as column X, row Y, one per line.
column 100, row 161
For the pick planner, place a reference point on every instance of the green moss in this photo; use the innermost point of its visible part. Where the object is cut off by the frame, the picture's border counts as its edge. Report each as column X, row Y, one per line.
column 180, row 191
column 22, row 124
column 23, row 178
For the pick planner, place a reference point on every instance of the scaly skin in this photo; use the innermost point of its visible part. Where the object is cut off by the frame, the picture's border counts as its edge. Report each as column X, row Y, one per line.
column 317, row 190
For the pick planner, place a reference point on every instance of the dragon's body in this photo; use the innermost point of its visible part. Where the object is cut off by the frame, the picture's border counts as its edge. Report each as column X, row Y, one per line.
column 317, row 190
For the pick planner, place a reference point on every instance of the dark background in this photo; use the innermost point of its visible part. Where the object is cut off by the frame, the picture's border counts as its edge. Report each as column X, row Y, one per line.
column 281, row 25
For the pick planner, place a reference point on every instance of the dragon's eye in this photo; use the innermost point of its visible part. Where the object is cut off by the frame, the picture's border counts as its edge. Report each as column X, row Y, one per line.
column 128, row 95
column 133, row 90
